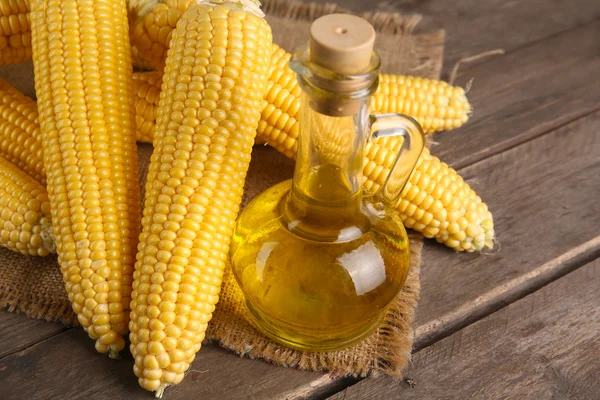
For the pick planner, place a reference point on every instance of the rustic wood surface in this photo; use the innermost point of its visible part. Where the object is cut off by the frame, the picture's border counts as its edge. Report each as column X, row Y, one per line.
column 531, row 150
column 543, row 346
column 477, row 26
column 18, row 333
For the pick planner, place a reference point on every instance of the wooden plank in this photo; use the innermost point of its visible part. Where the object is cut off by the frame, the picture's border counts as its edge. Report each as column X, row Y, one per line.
column 476, row 26
column 84, row 373
column 18, row 332
column 527, row 93
column 540, row 194
column 544, row 346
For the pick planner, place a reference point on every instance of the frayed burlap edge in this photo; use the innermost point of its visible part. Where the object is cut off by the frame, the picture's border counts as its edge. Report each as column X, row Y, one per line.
column 37, row 308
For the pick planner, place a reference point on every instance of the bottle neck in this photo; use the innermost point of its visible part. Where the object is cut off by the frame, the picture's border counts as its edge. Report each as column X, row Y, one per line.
column 326, row 197
column 330, row 154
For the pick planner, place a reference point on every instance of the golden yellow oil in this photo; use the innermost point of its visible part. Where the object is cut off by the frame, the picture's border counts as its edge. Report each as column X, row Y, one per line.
column 321, row 281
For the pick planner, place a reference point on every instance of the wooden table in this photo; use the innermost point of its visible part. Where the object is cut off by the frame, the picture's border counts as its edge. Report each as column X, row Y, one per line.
column 523, row 322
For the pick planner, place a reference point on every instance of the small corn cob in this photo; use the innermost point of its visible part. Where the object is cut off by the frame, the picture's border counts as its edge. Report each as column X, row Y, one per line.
column 437, row 105
column 25, row 222
column 215, row 81
column 83, row 76
column 436, row 200
column 15, row 34
column 20, row 139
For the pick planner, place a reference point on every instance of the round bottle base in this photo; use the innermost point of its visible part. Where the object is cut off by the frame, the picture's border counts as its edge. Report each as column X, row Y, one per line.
column 318, row 341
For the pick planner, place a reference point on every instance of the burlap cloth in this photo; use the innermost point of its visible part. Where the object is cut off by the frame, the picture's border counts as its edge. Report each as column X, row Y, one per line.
column 34, row 286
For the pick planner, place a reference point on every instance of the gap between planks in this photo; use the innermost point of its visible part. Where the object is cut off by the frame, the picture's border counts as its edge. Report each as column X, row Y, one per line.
column 501, row 296
column 542, row 346
column 431, row 331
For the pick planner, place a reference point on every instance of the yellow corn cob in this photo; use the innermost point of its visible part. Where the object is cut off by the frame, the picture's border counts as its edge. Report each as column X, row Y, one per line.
column 434, row 205
column 436, row 105
column 82, row 68
column 215, row 81
column 20, row 140
column 25, row 225
column 15, row 34
column 436, row 200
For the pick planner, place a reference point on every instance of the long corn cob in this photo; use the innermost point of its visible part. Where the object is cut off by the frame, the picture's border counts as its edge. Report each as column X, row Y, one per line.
column 15, row 34
column 215, row 81
column 279, row 125
column 25, row 224
column 20, row 139
column 436, row 200
column 83, row 78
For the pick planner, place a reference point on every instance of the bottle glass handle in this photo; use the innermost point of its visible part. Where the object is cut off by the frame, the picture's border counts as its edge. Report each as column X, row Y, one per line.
column 384, row 125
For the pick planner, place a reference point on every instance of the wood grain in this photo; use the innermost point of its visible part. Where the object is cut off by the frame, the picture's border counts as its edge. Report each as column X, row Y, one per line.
column 544, row 346
column 86, row 374
column 543, row 195
column 524, row 94
column 18, row 332
column 476, row 26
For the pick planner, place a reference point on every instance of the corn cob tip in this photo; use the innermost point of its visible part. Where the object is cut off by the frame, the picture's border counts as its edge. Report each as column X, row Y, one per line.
column 251, row 6
column 47, row 235
column 159, row 392
column 112, row 349
column 142, row 7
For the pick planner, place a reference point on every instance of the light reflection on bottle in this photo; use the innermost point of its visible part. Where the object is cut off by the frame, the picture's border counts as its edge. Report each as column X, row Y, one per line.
column 262, row 257
column 365, row 266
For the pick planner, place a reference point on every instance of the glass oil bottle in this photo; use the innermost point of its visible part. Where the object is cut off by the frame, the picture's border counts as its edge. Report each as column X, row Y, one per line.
column 317, row 257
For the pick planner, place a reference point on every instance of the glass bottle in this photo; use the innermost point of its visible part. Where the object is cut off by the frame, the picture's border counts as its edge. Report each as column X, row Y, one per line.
column 317, row 257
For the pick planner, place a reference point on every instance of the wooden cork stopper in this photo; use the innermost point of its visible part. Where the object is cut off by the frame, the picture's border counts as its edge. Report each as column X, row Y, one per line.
column 342, row 43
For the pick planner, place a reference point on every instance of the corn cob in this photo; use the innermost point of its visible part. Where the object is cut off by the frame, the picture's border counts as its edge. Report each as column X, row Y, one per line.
column 435, row 104
column 15, row 34
column 20, row 140
column 436, row 200
column 215, row 81
column 83, row 78
column 25, row 225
